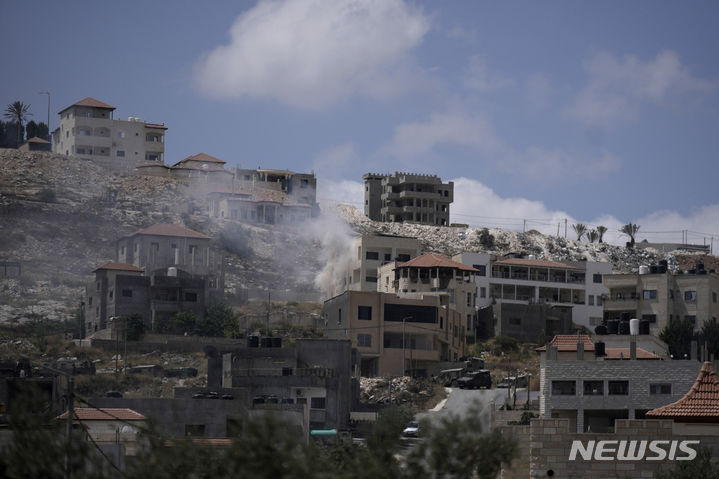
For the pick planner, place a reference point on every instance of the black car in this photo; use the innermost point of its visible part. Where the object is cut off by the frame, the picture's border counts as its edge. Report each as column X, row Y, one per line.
column 475, row 380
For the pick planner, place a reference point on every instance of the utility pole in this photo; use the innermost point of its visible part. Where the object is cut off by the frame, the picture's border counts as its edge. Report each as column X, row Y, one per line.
column 70, row 416
column 267, row 322
column 404, row 344
column 124, row 357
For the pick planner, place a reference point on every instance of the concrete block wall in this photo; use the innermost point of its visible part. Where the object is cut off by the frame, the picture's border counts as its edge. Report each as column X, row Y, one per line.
column 550, row 442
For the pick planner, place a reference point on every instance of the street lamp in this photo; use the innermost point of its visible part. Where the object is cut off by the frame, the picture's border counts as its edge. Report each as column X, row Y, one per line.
column 48, row 111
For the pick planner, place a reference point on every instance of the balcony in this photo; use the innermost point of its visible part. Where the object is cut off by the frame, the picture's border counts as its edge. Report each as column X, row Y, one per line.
column 429, row 195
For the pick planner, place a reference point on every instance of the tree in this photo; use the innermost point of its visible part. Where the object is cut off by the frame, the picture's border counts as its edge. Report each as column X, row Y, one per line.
column 710, row 336
column 592, row 236
column 181, row 323
column 30, row 130
column 701, row 467
column 678, row 334
column 219, row 320
column 630, row 229
column 43, row 131
column 460, row 448
column 601, row 230
column 580, row 229
column 17, row 112
column 135, row 326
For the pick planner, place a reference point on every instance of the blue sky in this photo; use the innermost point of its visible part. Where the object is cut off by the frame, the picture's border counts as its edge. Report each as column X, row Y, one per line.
column 599, row 112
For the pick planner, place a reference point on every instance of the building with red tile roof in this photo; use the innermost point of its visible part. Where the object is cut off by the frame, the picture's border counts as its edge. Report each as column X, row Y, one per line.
column 168, row 229
column 699, row 405
column 119, row 267
column 88, row 130
column 36, row 144
column 104, row 414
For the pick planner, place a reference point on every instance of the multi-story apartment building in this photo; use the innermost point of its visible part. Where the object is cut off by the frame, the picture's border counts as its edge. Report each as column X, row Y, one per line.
column 431, row 273
column 396, row 334
column 655, row 295
column 372, row 252
column 408, row 197
column 88, row 130
column 160, row 271
column 523, row 281
column 593, row 390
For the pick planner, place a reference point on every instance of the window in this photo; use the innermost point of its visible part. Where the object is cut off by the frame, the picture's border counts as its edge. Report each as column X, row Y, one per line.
column 304, row 183
column 194, row 430
column 690, row 295
column 371, row 279
column 599, row 300
column 482, row 269
column 191, row 297
column 364, row 313
column 112, row 293
column 597, row 278
column 402, row 258
column 120, row 153
column 388, row 257
column 714, row 296
column 618, row 388
column 594, row 388
column 339, row 316
column 691, row 318
column 372, row 255
column 652, row 318
column 121, row 134
column 564, row 388
column 649, row 294
column 317, row 403
column 482, row 292
column 89, row 301
column 97, row 286
column 191, row 249
column 469, row 299
column 660, row 388
column 590, row 300
column 364, row 340
column 127, row 293
column 515, row 321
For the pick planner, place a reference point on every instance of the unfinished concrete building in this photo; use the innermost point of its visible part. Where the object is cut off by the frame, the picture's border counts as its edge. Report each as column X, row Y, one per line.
column 408, row 198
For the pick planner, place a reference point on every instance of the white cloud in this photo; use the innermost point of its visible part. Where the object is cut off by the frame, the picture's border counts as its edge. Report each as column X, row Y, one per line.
column 416, row 140
column 315, row 53
column 479, row 77
column 448, row 128
column 480, row 206
column 336, row 160
column 331, row 192
column 538, row 90
column 617, row 89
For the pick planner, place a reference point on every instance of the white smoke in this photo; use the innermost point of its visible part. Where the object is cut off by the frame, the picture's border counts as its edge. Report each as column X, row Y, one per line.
column 335, row 237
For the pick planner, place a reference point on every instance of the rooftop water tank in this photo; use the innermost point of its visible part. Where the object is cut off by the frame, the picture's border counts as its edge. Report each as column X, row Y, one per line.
column 531, row 257
column 644, row 269
column 634, row 326
column 172, row 271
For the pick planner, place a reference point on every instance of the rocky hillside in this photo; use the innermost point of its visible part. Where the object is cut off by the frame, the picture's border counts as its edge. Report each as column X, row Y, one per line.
column 60, row 217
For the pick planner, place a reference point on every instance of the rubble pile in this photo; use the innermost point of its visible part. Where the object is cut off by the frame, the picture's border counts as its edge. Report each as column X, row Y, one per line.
column 454, row 240
column 404, row 390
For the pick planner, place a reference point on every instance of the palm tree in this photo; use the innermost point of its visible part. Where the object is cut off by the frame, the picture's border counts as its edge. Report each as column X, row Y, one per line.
column 592, row 236
column 601, row 230
column 580, row 229
column 630, row 229
column 17, row 112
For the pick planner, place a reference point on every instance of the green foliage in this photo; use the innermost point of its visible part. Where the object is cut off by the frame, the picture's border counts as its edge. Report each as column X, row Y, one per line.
column 459, row 448
column 701, row 467
column 506, row 344
column 219, row 320
column 710, row 336
column 580, row 229
column 30, row 129
column 135, row 326
column 631, row 230
column 678, row 334
column 17, row 113
column 184, row 322
column 486, row 238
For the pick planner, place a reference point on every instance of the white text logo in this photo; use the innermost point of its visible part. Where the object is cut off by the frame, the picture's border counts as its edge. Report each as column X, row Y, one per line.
column 633, row 450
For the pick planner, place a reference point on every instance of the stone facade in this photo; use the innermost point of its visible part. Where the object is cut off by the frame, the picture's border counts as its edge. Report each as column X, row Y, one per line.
column 551, row 444
column 580, row 390
column 88, row 130
column 659, row 297
column 408, row 197
column 373, row 321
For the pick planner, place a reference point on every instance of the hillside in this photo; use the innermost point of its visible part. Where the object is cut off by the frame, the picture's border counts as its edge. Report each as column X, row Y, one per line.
column 60, row 217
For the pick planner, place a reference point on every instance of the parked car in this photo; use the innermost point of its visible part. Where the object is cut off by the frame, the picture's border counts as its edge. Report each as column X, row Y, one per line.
column 475, row 380
column 412, row 429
